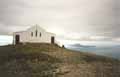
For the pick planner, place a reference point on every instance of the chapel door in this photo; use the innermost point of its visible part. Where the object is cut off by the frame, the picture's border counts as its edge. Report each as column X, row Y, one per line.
column 52, row 40
column 17, row 39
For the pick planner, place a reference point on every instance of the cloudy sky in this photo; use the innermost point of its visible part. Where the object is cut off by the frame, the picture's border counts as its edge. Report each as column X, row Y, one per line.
column 70, row 19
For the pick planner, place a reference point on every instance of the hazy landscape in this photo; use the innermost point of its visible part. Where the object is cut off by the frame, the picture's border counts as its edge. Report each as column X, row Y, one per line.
column 109, row 51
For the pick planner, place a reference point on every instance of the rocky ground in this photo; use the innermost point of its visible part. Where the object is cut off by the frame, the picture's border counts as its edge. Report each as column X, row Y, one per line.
column 47, row 60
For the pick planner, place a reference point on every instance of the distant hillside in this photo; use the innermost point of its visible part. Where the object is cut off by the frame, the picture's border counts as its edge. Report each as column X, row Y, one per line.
column 79, row 45
column 48, row 60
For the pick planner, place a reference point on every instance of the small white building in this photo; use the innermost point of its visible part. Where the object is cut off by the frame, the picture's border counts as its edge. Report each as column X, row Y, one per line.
column 35, row 34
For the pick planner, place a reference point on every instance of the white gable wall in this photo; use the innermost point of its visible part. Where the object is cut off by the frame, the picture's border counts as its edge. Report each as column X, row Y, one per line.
column 27, row 37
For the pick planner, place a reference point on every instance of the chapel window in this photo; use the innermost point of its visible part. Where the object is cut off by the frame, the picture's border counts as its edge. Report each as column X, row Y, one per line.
column 36, row 33
column 32, row 34
column 40, row 34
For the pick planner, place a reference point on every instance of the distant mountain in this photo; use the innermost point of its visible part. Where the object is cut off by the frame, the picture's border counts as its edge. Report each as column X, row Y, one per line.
column 79, row 45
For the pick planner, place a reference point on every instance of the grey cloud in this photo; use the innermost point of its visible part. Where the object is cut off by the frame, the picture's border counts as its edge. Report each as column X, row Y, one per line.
column 96, row 17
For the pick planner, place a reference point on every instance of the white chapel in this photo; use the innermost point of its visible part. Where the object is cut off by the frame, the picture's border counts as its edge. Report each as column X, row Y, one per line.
column 35, row 34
